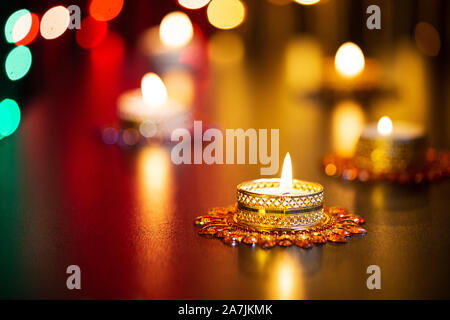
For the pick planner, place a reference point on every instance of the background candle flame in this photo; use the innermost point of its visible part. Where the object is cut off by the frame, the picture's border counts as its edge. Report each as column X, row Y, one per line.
column 286, row 184
column 384, row 126
column 153, row 89
column 349, row 60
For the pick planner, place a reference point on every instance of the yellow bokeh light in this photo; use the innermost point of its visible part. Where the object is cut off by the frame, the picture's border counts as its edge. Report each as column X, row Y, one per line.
column 349, row 60
column 153, row 90
column 307, row 2
column 193, row 4
column 385, row 126
column 226, row 14
column 226, row 48
column 176, row 29
column 55, row 22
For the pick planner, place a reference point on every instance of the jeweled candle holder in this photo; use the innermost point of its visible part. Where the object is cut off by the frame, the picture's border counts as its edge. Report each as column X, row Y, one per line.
column 383, row 156
column 401, row 156
column 264, row 217
column 289, row 212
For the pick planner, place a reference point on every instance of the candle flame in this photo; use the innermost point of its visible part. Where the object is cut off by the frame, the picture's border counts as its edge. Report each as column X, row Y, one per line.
column 384, row 126
column 176, row 29
column 153, row 89
column 349, row 60
column 286, row 184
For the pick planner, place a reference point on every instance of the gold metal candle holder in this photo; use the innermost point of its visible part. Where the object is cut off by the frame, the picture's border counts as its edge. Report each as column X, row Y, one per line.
column 267, row 214
column 387, row 156
column 396, row 153
column 279, row 212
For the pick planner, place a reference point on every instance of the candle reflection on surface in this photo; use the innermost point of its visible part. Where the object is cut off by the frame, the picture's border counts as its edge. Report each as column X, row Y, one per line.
column 156, row 206
column 155, row 181
column 286, row 281
column 347, row 124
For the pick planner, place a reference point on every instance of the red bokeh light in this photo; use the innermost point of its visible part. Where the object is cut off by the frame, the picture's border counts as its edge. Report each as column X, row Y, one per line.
column 91, row 33
column 105, row 10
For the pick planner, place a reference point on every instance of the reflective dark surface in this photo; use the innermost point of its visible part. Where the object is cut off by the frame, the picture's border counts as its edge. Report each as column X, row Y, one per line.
column 126, row 216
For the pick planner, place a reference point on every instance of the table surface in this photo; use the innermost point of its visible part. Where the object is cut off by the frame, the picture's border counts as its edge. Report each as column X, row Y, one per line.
column 126, row 216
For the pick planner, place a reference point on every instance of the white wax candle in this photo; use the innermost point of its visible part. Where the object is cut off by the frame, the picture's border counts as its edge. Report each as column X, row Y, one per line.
column 277, row 192
column 401, row 131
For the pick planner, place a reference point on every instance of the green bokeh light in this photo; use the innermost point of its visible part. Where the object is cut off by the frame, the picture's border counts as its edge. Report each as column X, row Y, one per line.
column 11, row 22
column 18, row 63
column 9, row 117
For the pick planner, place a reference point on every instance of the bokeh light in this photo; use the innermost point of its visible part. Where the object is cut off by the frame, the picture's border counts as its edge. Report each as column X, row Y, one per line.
column 32, row 31
column 148, row 129
column 105, row 10
column 176, row 29
column 153, row 89
column 9, row 117
column 193, row 4
column 110, row 135
column 18, row 63
column 427, row 39
column 180, row 85
column 55, row 22
column 226, row 14
column 22, row 27
column 17, row 24
column 130, row 136
column 226, row 48
column 307, row 2
column 91, row 33
column 347, row 122
column 384, row 126
column 349, row 60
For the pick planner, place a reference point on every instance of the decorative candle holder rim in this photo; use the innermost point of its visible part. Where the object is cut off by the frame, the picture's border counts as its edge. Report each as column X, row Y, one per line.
column 275, row 183
column 279, row 204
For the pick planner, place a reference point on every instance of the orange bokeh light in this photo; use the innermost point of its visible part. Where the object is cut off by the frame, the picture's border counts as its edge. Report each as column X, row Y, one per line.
column 32, row 33
column 105, row 10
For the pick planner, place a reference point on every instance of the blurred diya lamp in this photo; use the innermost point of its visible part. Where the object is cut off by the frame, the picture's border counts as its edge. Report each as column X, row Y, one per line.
column 172, row 44
column 150, row 111
column 282, row 211
column 351, row 71
column 396, row 152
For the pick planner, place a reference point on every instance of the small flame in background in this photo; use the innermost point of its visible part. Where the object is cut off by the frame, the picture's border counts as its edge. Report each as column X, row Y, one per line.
column 176, row 30
column 153, row 89
column 384, row 126
column 349, row 60
column 286, row 184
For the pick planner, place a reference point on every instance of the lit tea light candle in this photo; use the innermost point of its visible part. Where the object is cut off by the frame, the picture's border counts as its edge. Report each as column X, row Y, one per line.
column 280, row 203
column 286, row 184
column 385, row 146
column 400, row 131
column 150, row 104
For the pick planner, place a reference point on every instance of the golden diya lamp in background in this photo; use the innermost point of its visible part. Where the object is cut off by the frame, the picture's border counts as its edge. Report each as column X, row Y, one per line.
column 396, row 152
column 280, row 212
column 349, row 72
column 149, row 112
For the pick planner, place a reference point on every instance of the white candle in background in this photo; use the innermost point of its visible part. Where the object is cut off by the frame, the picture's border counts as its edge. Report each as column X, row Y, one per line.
column 398, row 131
